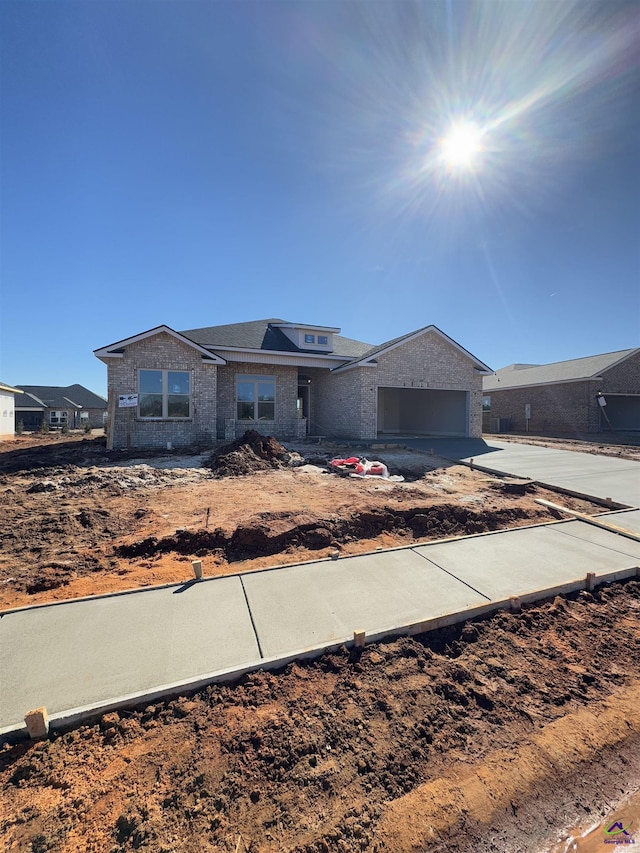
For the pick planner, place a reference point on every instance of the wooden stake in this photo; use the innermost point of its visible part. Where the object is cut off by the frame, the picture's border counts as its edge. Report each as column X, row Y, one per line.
column 358, row 639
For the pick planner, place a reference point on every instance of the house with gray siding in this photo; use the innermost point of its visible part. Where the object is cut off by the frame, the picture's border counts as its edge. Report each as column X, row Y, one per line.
column 595, row 394
column 170, row 389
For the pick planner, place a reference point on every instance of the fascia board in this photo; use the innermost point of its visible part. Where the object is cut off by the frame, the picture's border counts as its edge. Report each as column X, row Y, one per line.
column 353, row 364
column 287, row 354
column 542, row 384
column 105, row 352
column 479, row 365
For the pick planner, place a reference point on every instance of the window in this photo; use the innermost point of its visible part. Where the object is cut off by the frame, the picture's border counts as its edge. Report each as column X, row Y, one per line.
column 256, row 396
column 84, row 417
column 309, row 339
column 164, row 394
column 486, row 404
column 323, row 340
column 58, row 418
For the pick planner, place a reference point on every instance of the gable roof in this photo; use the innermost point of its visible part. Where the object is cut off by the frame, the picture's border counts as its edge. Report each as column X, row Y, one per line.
column 574, row 370
column 266, row 335
column 370, row 355
column 117, row 349
column 60, row 397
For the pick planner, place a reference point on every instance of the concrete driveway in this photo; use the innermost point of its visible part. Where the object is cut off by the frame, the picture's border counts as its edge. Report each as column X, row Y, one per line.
column 582, row 473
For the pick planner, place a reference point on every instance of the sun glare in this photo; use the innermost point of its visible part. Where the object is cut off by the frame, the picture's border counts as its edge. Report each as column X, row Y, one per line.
column 462, row 145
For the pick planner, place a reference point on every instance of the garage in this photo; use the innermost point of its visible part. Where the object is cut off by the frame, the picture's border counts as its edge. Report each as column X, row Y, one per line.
column 623, row 411
column 420, row 411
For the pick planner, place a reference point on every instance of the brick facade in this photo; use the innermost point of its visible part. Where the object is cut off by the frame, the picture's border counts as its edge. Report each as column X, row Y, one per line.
column 286, row 424
column 161, row 352
column 341, row 404
column 568, row 408
column 345, row 404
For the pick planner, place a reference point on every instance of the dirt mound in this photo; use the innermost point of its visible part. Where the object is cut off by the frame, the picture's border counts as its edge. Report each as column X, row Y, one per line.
column 249, row 454
column 274, row 533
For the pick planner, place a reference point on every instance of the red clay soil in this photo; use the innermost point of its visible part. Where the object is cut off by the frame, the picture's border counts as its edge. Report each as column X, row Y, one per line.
column 492, row 735
column 78, row 520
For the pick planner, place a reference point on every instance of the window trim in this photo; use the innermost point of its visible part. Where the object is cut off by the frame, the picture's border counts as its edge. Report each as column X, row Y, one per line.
column 58, row 417
column 165, row 395
column 309, row 338
column 256, row 379
column 323, row 340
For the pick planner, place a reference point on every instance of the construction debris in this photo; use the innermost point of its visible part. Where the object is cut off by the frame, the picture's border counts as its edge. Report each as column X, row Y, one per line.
column 359, row 466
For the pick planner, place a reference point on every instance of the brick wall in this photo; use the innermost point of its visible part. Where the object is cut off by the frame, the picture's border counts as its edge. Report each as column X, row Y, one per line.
column 342, row 404
column 161, row 352
column 431, row 362
column 345, row 404
column 623, row 379
column 569, row 408
column 286, row 424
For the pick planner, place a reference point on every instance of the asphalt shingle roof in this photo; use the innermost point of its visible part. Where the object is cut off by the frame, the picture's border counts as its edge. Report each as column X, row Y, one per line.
column 518, row 375
column 262, row 335
column 60, row 397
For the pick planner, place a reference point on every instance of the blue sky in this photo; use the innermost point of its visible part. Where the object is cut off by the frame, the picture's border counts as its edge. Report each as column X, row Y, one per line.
column 199, row 163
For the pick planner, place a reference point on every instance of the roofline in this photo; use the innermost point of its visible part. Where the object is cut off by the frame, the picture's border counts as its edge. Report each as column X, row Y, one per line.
column 288, row 353
column 36, row 398
column 594, row 378
column 629, row 354
column 10, row 389
column 367, row 361
column 106, row 352
column 333, row 329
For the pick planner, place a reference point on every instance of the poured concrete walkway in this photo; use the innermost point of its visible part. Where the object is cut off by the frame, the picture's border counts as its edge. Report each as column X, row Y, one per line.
column 82, row 656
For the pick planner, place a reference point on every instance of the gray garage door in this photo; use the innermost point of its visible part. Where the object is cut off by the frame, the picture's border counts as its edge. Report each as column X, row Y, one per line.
column 623, row 412
column 418, row 411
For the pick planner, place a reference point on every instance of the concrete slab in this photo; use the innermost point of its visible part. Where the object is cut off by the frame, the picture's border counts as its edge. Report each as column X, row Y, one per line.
column 84, row 652
column 586, row 473
column 301, row 607
column 517, row 562
column 597, row 536
column 629, row 519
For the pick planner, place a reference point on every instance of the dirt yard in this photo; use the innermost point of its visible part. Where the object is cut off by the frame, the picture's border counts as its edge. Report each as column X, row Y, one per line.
column 78, row 521
column 493, row 735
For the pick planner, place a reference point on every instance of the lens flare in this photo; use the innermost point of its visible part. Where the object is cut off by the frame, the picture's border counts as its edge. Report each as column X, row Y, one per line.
column 461, row 147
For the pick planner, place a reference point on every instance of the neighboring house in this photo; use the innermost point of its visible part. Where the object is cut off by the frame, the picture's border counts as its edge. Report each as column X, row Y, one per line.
column 7, row 410
column 72, row 406
column 289, row 380
column 566, row 397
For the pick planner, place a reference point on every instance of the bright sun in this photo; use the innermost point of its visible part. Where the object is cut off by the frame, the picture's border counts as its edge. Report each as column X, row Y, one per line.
column 461, row 146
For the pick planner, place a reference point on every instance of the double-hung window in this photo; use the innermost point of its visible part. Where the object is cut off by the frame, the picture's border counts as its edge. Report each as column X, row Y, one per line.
column 164, row 394
column 58, row 418
column 256, row 398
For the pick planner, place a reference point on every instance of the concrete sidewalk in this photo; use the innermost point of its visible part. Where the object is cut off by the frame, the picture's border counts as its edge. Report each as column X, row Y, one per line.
column 84, row 656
